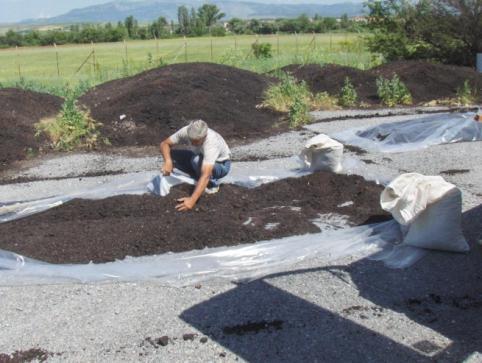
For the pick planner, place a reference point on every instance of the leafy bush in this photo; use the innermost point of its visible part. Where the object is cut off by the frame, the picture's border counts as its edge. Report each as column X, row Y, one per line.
column 348, row 96
column 294, row 97
column 282, row 96
column 448, row 31
column 465, row 95
column 218, row 31
column 71, row 128
column 393, row 92
column 299, row 113
column 262, row 50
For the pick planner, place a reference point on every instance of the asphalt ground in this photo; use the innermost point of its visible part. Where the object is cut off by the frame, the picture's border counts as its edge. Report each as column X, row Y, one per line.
column 351, row 310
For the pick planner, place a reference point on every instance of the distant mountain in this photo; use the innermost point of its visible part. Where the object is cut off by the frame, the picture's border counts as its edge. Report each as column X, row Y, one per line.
column 148, row 10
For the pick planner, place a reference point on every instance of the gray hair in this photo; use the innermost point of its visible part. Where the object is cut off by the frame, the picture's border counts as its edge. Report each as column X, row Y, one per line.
column 197, row 130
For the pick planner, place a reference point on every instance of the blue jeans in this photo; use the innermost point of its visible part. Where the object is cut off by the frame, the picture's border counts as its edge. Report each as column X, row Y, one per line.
column 191, row 164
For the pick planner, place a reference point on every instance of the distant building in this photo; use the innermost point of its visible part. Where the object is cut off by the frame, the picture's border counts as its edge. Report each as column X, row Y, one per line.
column 359, row 19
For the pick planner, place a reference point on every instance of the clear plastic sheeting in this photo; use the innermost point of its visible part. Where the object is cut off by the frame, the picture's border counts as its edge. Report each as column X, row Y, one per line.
column 248, row 175
column 399, row 256
column 238, row 262
column 131, row 184
column 414, row 134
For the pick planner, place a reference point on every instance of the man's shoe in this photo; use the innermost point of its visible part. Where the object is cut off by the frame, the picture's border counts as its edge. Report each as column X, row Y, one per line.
column 212, row 190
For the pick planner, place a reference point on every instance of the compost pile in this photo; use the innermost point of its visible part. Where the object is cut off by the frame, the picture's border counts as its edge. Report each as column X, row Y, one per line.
column 429, row 81
column 19, row 111
column 143, row 109
column 109, row 229
column 331, row 78
column 426, row 81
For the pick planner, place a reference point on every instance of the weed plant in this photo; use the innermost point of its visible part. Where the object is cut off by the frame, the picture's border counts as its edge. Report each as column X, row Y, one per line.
column 72, row 128
column 299, row 113
column 324, row 101
column 393, row 92
column 282, row 96
column 348, row 96
column 465, row 95
column 261, row 50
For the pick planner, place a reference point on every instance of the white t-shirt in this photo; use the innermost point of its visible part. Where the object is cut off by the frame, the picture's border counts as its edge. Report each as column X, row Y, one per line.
column 214, row 149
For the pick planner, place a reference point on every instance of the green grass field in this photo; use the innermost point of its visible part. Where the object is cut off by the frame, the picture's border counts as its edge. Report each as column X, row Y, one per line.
column 38, row 65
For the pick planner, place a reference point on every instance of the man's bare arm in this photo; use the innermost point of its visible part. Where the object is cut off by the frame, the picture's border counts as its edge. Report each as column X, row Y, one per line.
column 166, row 155
column 188, row 203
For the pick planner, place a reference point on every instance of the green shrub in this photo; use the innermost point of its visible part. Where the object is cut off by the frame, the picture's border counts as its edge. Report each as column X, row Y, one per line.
column 299, row 113
column 281, row 96
column 393, row 92
column 262, row 50
column 218, row 31
column 465, row 95
column 348, row 96
column 72, row 128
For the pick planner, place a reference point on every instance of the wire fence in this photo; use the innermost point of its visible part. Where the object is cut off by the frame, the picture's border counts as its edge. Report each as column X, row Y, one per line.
column 105, row 61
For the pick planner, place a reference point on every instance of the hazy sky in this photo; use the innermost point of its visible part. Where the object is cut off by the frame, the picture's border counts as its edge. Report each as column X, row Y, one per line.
column 16, row 10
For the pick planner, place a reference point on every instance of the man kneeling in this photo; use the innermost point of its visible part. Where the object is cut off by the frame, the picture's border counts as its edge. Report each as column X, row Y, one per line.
column 209, row 162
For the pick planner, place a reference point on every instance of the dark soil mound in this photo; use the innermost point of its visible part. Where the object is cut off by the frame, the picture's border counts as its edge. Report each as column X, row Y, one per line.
column 113, row 228
column 426, row 81
column 19, row 111
column 429, row 81
column 331, row 78
column 158, row 102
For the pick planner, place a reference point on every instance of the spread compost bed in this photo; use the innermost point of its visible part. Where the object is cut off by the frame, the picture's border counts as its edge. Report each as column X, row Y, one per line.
column 19, row 111
column 158, row 102
column 113, row 228
column 426, row 81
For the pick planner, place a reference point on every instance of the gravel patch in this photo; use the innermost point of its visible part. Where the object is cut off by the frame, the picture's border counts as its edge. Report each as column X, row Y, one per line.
column 364, row 113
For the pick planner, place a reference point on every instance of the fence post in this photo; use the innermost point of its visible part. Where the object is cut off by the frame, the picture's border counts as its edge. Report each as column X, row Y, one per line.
column 314, row 41
column 212, row 58
column 57, row 59
column 18, row 63
column 94, row 61
column 331, row 42
column 296, row 41
column 157, row 48
column 185, row 49
column 277, row 43
column 479, row 62
column 127, row 56
column 235, row 43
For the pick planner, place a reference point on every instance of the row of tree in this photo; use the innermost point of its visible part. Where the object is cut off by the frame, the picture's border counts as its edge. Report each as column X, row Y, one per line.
column 448, row 31
column 191, row 22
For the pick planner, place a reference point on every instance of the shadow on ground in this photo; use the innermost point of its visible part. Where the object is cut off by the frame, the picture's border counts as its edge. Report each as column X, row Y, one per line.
column 260, row 322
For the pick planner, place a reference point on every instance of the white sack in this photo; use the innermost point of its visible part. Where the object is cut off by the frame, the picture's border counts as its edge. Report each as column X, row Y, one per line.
column 409, row 194
column 323, row 153
column 431, row 210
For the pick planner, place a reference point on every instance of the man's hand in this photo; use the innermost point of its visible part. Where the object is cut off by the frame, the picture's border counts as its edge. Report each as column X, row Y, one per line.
column 185, row 204
column 167, row 168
